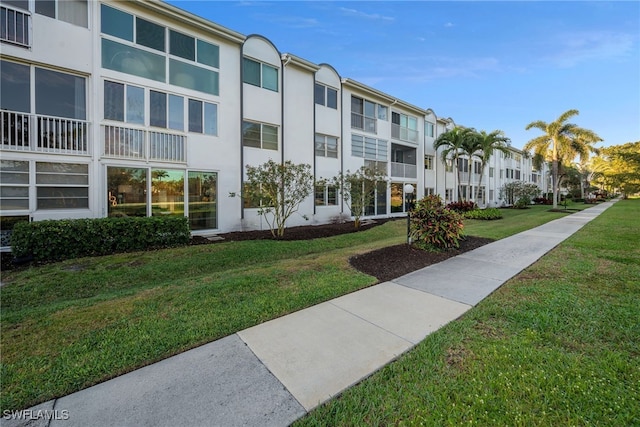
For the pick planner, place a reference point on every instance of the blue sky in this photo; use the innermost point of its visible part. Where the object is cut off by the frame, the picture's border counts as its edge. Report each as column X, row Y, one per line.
column 487, row 65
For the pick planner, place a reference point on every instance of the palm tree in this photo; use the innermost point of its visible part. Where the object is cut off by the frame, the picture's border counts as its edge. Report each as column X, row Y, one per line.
column 489, row 143
column 561, row 142
column 455, row 142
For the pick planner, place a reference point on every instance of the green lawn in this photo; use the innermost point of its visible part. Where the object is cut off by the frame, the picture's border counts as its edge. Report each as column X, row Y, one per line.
column 557, row 345
column 69, row 325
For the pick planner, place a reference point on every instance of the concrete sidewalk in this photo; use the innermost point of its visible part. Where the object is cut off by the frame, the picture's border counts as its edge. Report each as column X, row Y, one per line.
column 275, row 372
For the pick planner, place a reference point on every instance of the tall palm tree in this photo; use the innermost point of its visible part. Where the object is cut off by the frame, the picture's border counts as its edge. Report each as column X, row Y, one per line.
column 561, row 142
column 455, row 143
column 489, row 143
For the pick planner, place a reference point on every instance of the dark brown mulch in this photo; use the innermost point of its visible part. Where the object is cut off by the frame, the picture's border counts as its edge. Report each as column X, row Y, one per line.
column 394, row 261
column 303, row 232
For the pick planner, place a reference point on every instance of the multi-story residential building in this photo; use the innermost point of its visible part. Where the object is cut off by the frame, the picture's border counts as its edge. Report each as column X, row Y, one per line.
column 139, row 108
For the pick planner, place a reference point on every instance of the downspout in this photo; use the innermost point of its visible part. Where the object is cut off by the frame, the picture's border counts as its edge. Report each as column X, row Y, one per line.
column 342, row 143
column 241, row 121
column 282, row 111
column 313, row 146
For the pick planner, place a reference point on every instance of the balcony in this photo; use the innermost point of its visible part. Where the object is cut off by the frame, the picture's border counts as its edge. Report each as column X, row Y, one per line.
column 404, row 134
column 403, row 170
column 136, row 143
column 14, row 26
column 54, row 135
column 367, row 124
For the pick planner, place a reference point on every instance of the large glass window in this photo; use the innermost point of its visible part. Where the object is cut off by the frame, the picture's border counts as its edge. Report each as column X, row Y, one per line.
column 128, row 59
column 203, row 197
column 167, row 192
column 176, row 112
column 127, row 189
column 193, row 77
column 62, row 185
column 15, row 87
column 59, row 94
column 208, row 54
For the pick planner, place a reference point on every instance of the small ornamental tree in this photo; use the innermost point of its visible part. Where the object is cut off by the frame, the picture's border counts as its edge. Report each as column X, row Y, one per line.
column 519, row 193
column 433, row 226
column 358, row 189
column 281, row 188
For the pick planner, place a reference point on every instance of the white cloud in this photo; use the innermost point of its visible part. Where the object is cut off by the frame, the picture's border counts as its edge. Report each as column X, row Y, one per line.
column 372, row 16
column 448, row 25
column 576, row 48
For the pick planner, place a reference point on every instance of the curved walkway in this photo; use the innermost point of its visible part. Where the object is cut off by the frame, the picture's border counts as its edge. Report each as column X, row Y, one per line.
column 275, row 372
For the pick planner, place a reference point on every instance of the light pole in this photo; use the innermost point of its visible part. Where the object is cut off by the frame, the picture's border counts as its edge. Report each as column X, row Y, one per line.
column 408, row 194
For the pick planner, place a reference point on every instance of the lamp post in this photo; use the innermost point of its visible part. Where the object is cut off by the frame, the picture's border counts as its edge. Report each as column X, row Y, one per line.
column 408, row 193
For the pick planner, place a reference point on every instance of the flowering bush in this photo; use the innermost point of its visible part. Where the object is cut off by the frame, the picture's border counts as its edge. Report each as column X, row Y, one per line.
column 435, row 227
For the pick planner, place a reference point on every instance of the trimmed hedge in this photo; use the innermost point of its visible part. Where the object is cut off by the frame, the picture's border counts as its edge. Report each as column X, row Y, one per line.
column 485, row 214
column 462, row 207
column 55, row 240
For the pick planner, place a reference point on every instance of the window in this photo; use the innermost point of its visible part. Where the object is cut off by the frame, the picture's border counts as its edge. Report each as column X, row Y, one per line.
column 369, row 148
column 491, row 195
column 16, row 87
column 429, row 191
column 448, row 194
column 167, row 192
column 491, row 172
column 58, row 185
column 383, row 112
column 14, row 24
column 258, row 74
column 326, row 195
column 428, row 162
column 404, row 127
column 203, row 197
column 62, row 185
column 363, row 114
column 501, row 173
column 123, row 103
column 14, row 185
column 477, row 168
column 192, row 60
column 203, row 117
column 60, row 94
column 448, row 165
column 72, row 11
column 326, row 146
column 517, row 174
column 463, row 165
column 428, row 129
column 326, row 96
column 259, row 135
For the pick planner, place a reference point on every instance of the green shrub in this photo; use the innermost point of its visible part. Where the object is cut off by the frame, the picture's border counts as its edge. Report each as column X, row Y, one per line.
column 485, row 214
column 55, row 240
column 433, row 226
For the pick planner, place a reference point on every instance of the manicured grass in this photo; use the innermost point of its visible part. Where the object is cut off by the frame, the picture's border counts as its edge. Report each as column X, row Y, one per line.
column 69, row 325
column 557, row 345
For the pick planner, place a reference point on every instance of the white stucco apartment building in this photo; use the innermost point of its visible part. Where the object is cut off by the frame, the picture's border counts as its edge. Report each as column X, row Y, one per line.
column 139, row 108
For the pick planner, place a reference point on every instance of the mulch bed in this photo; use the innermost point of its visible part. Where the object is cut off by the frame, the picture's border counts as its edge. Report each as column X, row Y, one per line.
column 394, row 261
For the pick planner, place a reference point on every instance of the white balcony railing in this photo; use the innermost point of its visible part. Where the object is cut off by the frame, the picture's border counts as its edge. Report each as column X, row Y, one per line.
column 404, row 134
column 55, row 135
column 133, row 143
column 403, row 170
column 14, row 25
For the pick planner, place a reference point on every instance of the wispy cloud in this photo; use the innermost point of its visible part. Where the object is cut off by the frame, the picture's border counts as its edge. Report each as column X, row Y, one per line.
column 291, row 21
column 448, row 25
column 361, row 14
column 576, row 48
